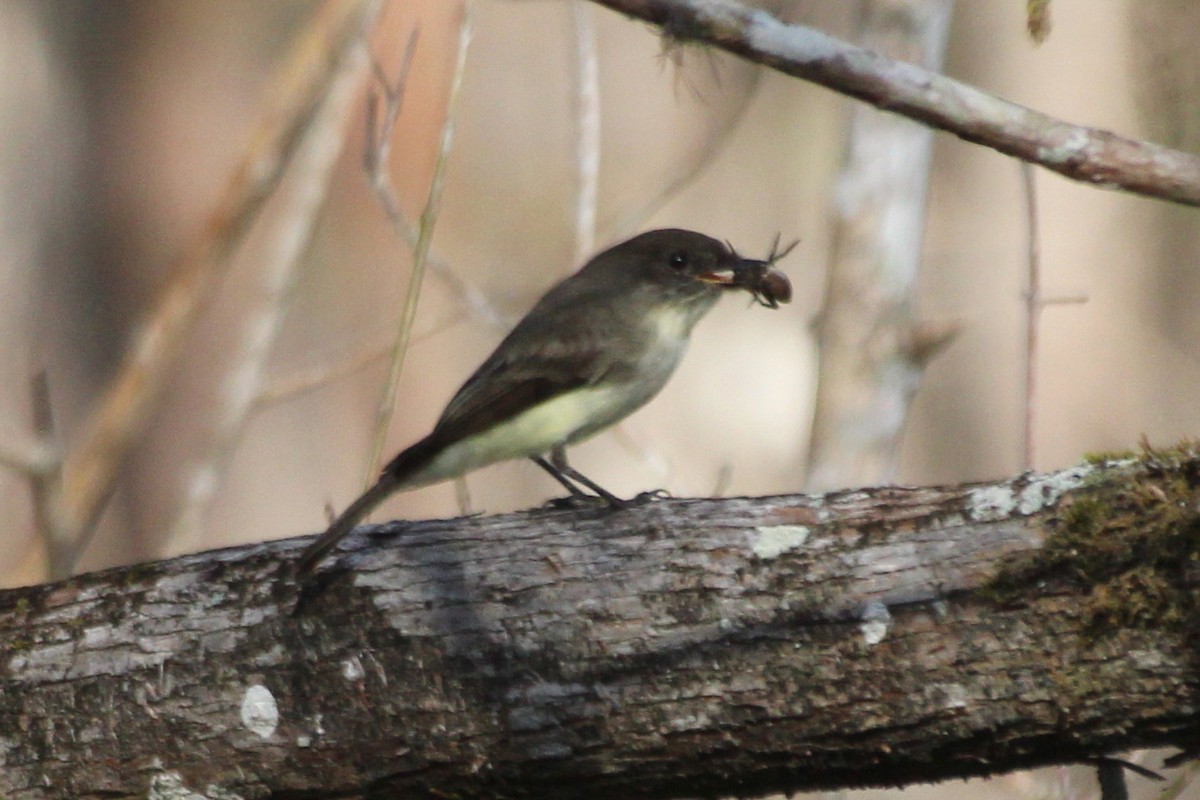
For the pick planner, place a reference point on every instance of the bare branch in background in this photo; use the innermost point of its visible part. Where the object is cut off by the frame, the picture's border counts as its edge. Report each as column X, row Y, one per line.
column 40, row 462
column 62, row 548
column 1035, row 303
column 1033, row 315
column 387, row 403
column 291, row 237
column 94, row 463
column 303, row 381
column 871, row 355
column 379, row 130
column 377, row 157
column 587, row 130
column 22, row 454
column 1081, row 153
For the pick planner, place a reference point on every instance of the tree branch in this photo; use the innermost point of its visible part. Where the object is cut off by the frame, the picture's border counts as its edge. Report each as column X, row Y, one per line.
column 1075, row 151
column 678, row 648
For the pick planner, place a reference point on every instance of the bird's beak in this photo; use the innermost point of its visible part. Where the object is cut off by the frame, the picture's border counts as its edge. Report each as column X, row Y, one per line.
column 720, row 277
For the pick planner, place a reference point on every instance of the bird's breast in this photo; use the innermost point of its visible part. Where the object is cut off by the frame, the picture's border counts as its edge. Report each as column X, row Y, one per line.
column 655, row 345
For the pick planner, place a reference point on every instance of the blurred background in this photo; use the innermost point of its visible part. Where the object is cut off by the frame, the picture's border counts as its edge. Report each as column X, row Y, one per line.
column 121, row 123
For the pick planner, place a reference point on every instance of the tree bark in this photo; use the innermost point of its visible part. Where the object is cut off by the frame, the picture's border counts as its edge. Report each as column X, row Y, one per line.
column 679, row 648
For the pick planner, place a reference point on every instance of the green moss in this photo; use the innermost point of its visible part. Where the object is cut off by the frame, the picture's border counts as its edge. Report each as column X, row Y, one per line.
column 1129, row 540
column 136, row 574
column 1104, row 457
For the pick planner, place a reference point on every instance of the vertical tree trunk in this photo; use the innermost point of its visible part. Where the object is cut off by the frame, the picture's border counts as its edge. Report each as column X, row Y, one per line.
column 870, row 348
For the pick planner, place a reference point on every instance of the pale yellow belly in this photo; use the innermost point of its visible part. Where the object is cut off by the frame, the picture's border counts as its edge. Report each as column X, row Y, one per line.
column 533, row 432
column 570, row 417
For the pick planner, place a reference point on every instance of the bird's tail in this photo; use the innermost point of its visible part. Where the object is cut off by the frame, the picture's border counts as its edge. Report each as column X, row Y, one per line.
column 354, row 514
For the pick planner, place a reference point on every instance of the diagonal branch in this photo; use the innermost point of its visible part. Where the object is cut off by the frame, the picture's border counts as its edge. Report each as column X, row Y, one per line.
column 93, row 464
column 288, row 240
column 1078, row 152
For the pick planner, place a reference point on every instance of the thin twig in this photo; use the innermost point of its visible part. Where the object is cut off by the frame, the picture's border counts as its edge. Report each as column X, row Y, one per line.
column 1033, row 314
column 377, row 156
column 303, row 381
column 378, row 150
column 291, row 238
column 92, row 466
column 387, row 402
column 1035, row 303
column 723, row 481
column 44, row 486
column 587, row 130
column 462, row 496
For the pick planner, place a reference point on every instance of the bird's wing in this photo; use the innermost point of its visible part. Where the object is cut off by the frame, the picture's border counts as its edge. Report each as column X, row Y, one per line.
column 517, row 378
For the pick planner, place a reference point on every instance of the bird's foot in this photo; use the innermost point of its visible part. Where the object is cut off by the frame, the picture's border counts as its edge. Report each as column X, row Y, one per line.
column 576, row 502
column 649, row 497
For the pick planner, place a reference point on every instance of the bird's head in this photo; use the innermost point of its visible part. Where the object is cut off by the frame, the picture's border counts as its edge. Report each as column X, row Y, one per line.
column 686, row 265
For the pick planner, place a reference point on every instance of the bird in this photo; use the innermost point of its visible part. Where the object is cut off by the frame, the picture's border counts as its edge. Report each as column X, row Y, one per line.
column 595, row 348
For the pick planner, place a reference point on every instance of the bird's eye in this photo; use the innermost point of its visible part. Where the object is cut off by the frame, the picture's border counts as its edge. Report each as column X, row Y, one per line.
column 677, row 260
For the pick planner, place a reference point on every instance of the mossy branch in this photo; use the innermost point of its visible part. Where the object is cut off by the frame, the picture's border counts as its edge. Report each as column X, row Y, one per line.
column 679, row 648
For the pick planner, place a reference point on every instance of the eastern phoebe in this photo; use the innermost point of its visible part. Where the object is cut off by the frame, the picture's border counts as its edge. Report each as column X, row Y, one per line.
column 593, row 350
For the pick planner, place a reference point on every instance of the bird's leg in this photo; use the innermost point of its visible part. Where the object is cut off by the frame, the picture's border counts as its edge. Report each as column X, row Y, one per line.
column 558, row 476
column 559, row 468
